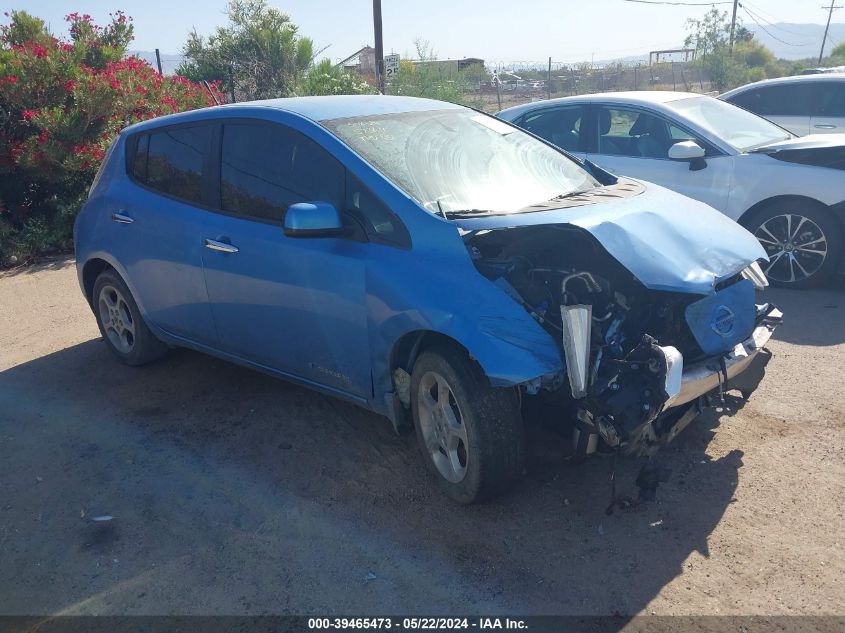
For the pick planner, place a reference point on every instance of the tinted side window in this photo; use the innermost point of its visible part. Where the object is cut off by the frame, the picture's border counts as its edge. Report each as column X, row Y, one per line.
column 174, row 161
column 267, row 167
column 139, row 160
column 378, row 221
column 560, row 126
column 624, row 132
column 784, row 100
column 829, row 99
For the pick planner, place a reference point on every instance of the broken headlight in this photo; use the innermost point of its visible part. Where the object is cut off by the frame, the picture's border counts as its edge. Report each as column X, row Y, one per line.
column 674, row 373
column 756, row 276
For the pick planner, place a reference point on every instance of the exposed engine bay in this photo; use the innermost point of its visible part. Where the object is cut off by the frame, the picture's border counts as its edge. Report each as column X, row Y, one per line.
column 624, row 345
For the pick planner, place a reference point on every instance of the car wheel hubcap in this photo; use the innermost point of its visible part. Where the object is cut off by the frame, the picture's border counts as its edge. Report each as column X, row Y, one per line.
column 442, row 427
column 796, row 246
column 116, row 319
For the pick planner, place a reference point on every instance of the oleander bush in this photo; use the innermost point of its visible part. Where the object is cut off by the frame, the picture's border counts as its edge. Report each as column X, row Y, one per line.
column 62, row 102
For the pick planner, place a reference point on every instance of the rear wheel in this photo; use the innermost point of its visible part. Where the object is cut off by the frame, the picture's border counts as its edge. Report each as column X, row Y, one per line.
column 803, row 242
column 470, row 434
column 121, row 324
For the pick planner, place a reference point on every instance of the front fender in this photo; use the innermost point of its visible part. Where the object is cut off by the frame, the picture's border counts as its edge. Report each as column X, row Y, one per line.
column 459, row 303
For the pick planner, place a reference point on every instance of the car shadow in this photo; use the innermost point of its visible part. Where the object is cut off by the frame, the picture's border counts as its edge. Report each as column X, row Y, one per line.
column 231, row 492
column 824, row 307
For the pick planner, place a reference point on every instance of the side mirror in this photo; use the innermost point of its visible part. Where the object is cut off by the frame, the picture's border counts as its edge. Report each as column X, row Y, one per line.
column 686, row 150
column 312, row 219
column 689, row 151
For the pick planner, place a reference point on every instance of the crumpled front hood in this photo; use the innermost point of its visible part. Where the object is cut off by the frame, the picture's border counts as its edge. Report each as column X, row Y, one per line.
column 668, row 241
column 817, row 150
column 813, row 141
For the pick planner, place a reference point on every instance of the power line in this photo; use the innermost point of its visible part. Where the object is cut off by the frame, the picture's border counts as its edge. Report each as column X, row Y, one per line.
column 766, row 31
column 678, row 4
column 760, row 15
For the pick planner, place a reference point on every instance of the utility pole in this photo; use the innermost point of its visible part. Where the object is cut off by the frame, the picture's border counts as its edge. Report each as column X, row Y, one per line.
column 733, row 27
column 379, row 45
column 826, row 28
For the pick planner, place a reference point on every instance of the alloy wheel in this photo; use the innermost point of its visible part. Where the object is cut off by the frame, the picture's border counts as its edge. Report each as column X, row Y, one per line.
column 116, row 319
column 796, row 246
column 442, row 427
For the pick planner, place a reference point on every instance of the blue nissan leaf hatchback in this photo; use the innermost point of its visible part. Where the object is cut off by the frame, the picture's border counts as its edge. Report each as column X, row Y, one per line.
column 429, row 262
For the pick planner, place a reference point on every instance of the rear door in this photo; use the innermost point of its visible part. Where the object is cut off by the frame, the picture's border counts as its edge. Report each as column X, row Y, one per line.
column 157, row 226
column 293, row 304
column 634, row 142
column 829, row 108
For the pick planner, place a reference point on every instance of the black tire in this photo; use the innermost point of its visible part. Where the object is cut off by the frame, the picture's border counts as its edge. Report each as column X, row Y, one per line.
column 120, row 322
column 490, row 419
column 772, row 221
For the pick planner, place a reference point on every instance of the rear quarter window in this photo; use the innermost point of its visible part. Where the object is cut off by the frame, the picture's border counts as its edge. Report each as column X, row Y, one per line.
column 172, row 161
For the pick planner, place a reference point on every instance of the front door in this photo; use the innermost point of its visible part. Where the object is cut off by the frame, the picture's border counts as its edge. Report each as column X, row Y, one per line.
column 292, row 304
column 633, row 142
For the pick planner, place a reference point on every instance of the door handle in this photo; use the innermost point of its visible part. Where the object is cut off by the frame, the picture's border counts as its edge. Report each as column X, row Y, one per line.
column 121, row 218
column 821, row 126
column 221, row 247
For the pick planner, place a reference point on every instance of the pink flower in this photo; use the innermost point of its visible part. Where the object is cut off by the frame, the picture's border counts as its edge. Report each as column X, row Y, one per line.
column 28, row 114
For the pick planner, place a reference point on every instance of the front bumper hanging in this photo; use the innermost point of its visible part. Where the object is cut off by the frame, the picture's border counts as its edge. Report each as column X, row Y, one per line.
column 705, row 376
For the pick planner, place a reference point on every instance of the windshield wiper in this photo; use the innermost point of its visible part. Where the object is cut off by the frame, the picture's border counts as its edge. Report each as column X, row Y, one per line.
column 466, row 213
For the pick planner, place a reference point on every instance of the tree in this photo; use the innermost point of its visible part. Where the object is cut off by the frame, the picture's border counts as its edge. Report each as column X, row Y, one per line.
column 62, row 102
column 327, row 78
column 709, row 35
column 259, row 54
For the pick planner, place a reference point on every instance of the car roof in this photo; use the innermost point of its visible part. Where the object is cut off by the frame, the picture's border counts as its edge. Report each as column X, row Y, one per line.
column 633, row 97
column 345, row 106
column 320, row 108
column 786, row 80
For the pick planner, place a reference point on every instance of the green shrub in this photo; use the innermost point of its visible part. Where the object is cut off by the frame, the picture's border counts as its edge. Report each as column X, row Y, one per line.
column 62, row 102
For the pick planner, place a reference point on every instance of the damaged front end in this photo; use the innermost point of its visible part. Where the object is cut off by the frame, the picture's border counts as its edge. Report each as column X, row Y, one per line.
column 640, row 362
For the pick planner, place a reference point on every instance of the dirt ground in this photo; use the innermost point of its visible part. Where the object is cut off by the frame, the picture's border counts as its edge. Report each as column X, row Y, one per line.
column 235, row 493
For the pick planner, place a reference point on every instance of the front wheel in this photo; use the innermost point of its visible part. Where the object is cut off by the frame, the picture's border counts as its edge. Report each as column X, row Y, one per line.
column 802, row 239
column 470, row 434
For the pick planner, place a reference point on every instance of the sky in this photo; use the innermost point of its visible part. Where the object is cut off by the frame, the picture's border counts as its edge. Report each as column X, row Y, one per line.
column 494, row 30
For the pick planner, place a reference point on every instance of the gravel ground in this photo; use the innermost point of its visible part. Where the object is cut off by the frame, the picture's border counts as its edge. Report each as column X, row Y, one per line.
column 235, row 493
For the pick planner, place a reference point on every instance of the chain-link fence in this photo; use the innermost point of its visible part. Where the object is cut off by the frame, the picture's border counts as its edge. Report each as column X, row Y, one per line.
column 519, row 82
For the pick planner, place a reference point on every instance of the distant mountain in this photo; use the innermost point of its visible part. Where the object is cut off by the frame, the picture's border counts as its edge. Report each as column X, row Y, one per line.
column 169, row 61
column 797, row 41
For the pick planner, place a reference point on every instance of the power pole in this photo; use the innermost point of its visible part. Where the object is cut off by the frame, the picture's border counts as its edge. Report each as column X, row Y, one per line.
column 733, row 27
column 379, row 45
column 826, row 28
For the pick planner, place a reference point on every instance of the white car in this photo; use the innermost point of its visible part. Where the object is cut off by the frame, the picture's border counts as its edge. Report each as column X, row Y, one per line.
column 788, row 191
column 805, row 104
